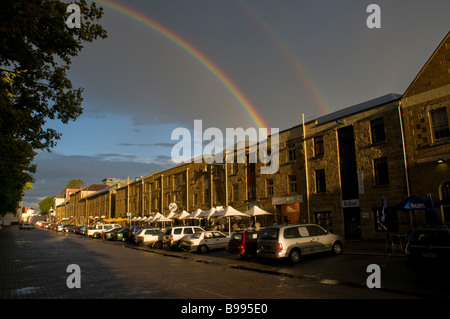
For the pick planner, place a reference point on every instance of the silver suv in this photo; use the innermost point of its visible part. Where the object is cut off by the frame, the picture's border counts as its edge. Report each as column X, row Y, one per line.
column 173, row 235
column 294, row 240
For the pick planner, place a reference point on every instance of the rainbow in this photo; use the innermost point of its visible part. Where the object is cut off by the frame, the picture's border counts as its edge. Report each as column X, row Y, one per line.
column 298, row 68
column 195, row 53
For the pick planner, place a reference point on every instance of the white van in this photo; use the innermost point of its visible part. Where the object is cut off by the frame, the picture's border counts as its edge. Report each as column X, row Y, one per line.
column 294, row 240
column 173, row 235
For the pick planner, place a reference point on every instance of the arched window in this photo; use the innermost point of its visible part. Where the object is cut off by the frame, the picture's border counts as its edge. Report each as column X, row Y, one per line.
column 445, row 189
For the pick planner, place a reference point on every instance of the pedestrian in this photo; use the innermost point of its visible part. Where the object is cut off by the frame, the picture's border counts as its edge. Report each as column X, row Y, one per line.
column 235, row 227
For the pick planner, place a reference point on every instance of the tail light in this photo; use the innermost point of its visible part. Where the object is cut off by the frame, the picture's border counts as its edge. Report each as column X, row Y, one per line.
column 279, row 246
column 171, row 237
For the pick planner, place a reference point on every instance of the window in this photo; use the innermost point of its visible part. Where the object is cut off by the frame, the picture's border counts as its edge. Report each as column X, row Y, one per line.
column 445, row 193
column 381, row 171
column 377, row 130
column 315, row 231
column 292, row 156
column 195, row 199
column 269, row 187
column 318, row 146
column 292, row 184
column 251, row 195
column 218, row 196
column 235, row 193
column 291, row 232
column 320, row 181
column 445, row 189
column 439, row 123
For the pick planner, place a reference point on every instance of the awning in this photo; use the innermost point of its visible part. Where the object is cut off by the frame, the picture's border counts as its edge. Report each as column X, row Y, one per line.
column 287, row 200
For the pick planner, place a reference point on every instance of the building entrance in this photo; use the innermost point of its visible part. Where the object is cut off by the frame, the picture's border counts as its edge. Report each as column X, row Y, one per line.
column 352, row 223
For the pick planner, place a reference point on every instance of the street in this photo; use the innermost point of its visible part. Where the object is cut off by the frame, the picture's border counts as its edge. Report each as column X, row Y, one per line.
column 34, row 264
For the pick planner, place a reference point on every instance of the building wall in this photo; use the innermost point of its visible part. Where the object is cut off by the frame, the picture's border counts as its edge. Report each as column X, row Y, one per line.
column 428, row 156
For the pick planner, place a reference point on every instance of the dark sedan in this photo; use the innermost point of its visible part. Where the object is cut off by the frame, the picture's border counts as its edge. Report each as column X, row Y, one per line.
column 429, row 248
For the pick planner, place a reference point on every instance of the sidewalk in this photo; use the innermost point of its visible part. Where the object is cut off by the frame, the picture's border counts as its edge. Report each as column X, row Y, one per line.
column 373, row 247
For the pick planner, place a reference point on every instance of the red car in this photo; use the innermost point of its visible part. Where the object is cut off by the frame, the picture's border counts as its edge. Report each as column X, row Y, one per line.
column 243, row 243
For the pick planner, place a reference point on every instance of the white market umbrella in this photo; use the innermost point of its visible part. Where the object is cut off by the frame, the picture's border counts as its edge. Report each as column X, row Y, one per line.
column 195, row 214
column 171, row 215
column 229, row 212
column 183, row 215
column 208, row 213
column 156, row 217
column 256, row 211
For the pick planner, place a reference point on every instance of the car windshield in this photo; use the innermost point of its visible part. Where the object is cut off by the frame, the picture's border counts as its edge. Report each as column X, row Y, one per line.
column 269, row 233
column 195, row 235
column 236, row 237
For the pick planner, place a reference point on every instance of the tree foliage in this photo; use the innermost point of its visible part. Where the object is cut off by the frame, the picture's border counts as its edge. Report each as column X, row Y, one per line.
column 72, row 184
column 46, row 204
column 36, row 48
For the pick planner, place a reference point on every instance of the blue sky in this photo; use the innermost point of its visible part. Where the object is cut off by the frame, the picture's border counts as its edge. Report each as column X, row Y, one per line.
column 287, row 57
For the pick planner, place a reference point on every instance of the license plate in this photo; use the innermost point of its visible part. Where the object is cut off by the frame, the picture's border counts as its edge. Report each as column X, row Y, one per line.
column 429, row 255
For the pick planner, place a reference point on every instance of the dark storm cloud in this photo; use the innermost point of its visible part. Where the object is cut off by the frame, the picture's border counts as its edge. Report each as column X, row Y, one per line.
column 55, row 170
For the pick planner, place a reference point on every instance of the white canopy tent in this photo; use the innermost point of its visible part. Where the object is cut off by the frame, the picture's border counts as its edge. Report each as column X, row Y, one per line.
column 195, row 214
column 208, row 213
column 256, row 211
column 183, row 215
column 229, row 212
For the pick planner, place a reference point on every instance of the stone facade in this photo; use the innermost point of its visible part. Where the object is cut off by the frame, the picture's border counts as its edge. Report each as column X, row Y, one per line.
column 426, row 113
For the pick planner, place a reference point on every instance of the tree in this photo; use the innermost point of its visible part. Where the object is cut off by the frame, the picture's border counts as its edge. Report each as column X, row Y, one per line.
column 72, row 184
column 46, row 204
column 36, row 48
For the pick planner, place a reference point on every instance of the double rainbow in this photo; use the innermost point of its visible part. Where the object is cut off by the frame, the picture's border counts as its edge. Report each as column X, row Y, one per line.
column 194, row 52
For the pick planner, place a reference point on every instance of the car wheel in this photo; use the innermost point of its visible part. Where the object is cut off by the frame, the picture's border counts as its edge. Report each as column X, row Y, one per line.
column 203, row 249
column 294, row 255
column 337, row 248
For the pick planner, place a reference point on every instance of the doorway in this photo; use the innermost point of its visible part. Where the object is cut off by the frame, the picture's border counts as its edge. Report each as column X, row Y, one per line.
column 352, row 223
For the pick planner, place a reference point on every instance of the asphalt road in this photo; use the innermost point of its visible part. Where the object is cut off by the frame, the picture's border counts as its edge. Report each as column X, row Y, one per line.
column 34, row 264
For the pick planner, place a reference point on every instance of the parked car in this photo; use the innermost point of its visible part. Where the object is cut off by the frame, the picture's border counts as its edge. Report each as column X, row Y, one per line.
column 97, row 230
column 173, row 235
column 84, row 230
column 77, row 230
column 68, row 228
column 26, row 226
column 295, row 240
column 111, row 233
column 150, row 237
column 122, row 234
column 134, row 231
column 428, row 248
column 243, row 243
column 204, row 241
